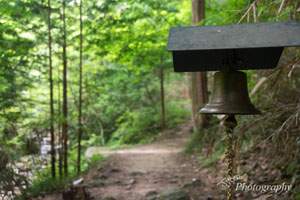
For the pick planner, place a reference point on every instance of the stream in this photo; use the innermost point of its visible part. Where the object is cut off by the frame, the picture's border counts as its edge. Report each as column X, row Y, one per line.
column 26, row 169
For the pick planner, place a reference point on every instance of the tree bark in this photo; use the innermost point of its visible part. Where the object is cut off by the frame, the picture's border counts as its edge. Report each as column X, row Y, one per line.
column 80, row 92
column 198, row 11
column 51, row 94
column 162, row 98
column 199, row 91
column 60, row 138
column 65, row 104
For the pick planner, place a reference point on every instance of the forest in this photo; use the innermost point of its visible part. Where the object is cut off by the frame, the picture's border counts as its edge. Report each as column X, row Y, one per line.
column 87, row 86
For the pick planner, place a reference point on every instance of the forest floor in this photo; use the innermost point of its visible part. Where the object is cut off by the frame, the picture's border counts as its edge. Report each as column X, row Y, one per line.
column 161, row 171
column 144, row 172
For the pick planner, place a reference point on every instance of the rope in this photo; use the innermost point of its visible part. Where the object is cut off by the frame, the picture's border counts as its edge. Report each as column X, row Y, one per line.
column 230, row 123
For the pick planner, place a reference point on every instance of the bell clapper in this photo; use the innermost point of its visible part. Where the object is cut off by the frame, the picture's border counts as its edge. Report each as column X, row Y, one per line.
column 230, row 123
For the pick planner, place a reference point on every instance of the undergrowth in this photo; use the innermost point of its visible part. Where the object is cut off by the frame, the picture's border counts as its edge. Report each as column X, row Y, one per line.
column 143, row 126
column 44, row 183
column 267, row 146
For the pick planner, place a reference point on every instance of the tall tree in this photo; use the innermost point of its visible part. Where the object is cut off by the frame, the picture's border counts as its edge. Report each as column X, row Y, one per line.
column 80, row 91
column 199, row 92
column 65, row 102
column 162, row 98
column 51, row 93
column 60, row 139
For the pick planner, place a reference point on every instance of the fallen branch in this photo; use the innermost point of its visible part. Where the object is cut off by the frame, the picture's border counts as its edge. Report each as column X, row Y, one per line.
column 258, row 85
column 282, row 5
column 247, row 13
column 255, row 12
column 294, row 61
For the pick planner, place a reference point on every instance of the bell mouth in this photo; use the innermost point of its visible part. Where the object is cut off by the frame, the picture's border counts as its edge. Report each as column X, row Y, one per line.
column 221, row 109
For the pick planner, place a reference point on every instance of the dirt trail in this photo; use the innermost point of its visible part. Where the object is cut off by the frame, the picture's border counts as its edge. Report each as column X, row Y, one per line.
column 134, row 173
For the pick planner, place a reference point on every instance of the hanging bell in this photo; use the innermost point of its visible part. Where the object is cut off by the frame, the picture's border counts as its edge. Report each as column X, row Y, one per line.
column 230, row 95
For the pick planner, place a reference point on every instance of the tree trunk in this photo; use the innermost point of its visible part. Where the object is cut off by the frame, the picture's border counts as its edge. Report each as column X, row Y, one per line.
column 65, row 105
column 80, row 92
column 187, row 92
column 199, row 92
column 198, row 11
column 60, row 141
column 51, row 94
column 162, row 98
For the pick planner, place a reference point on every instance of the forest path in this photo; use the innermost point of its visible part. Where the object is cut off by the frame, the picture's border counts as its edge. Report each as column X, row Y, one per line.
column 138, row 172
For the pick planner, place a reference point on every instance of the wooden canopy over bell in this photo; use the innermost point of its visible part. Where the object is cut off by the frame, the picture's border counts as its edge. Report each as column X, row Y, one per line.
column 243, row 46
column 228, row 48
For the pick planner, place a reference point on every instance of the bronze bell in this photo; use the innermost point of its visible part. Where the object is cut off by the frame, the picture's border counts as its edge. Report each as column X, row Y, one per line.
column 230, row 95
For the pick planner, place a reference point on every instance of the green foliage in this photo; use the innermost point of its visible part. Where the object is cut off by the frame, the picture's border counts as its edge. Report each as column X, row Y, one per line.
column 45, row 184
column 141, row 126
column 195, row 144
column 207, row 162
column 177, row 112
column 95, row 159
column 133, row 126
column 201, row 139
